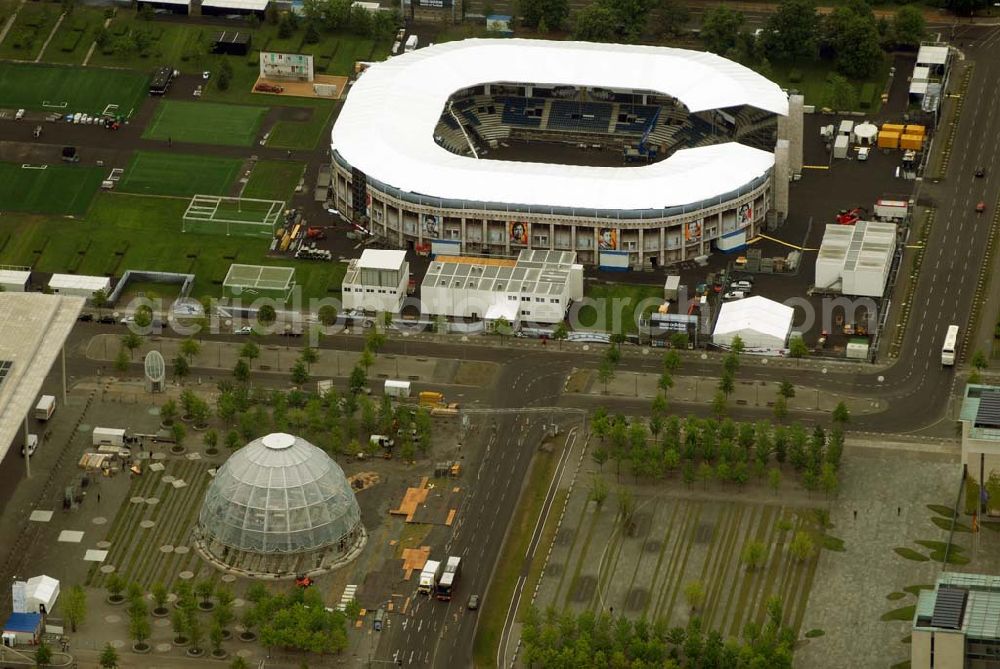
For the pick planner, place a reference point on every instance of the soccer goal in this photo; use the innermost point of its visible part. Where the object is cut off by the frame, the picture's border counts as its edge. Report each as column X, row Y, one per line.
column 244, row 217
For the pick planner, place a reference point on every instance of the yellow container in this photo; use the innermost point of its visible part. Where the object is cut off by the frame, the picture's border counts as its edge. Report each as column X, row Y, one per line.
column 915, row 142
column 915, row 130
column 893, row 127
column 888, row 140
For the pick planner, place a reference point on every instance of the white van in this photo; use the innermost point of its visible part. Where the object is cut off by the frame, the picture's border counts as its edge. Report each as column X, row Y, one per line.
column 745, row 286
column 863, row 153
column 45, row 408
column 30, row 446
column 735, row 295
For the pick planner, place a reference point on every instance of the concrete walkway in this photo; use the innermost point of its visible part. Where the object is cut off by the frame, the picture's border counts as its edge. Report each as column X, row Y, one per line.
column 93, row 45
column 52, row 34
column 10, row 23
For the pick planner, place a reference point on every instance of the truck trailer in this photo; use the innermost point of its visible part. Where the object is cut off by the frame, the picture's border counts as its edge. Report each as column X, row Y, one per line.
column 449, row 579
column 45, row 408
column 395, row 388
column 109, row 436
column 429, row 577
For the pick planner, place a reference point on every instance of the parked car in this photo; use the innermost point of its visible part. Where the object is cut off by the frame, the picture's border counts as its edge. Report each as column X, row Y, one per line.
column 106, row 320
column 735, row 295
column 206, row 75
column 86, row 318
column 19, row 115
column 981, row 207
column 741, row 285
column 245, row 330
column 980, row 172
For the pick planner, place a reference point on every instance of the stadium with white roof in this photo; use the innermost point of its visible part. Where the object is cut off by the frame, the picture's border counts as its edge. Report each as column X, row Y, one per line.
column 681, row 151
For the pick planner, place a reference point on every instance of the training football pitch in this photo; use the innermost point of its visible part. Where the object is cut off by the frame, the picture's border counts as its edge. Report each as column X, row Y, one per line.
column 205, row 123
column 70, row 89
column 159, row 173
column 57, row 189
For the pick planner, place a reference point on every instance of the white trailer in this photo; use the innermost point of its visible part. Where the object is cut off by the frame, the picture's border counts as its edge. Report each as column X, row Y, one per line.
column 891, row 210
column 45, row 408
column 429, row 577
column 840, row 146
column 411, row 43
column 109, row 436
column 395, row 388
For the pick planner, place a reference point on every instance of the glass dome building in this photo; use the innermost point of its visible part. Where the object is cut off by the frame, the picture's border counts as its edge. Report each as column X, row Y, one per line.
column 280, row 506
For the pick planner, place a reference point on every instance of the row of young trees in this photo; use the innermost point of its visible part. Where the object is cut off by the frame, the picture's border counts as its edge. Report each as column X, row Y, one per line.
column 601, row 641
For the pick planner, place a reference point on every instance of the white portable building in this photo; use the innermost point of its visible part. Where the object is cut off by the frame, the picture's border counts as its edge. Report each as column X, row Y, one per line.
column 395, row 388
column 840, row 146
column 78, row 284
column 14, row 280
column 762, row 324
column 859, row 256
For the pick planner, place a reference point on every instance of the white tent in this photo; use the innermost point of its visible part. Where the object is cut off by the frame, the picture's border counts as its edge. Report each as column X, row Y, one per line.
column 42, row 591
column 762, row 324
column 865, row 133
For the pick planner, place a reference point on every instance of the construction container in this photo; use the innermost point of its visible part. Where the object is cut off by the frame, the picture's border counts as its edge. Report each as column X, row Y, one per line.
column 915, row 142
column 893, row 127
column 915, row 130
column 888, row 140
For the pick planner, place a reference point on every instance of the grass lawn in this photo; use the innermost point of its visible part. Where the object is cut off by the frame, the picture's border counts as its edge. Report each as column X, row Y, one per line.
column 74, row 36
column 88, row 90
column 813, row 84
column 157, row 173
column 301, row 134
column 30, row 30
column 615, row 305
column 494, row 610
column 162, row 42
column 273, row 180
column 205, row 123
column 145, row 231
column 58, row 189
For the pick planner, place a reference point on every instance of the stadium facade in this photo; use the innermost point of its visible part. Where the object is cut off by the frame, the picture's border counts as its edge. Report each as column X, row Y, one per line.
column 705, row 146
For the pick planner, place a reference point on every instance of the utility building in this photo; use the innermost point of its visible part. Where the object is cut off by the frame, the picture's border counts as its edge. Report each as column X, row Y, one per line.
column 377, row 281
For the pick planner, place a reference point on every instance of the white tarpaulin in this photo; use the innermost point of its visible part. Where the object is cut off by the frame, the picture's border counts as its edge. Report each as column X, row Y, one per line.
column 386, row 127
column 761, row 323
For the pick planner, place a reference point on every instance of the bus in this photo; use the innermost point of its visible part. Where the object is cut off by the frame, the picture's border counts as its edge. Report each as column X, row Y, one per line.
column 948, row 350
column 449, row 579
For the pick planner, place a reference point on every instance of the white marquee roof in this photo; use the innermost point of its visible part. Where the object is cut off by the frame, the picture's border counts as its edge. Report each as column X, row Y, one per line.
column 386, row 127
column 755, row 313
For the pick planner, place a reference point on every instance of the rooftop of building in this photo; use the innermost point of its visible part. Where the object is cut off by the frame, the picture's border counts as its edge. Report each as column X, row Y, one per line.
column 961, row 602
column 981, row 409
column 534, row 271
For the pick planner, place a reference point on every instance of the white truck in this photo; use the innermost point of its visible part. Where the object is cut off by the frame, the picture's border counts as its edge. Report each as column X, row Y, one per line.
column 429, row 577
column 109, row 436
column 45, row 408
column 892, row 210
column 446, row 584
column 395, row 388
column 411, row 44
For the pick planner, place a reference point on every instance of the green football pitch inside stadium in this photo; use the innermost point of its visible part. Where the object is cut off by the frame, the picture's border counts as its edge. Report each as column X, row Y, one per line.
column 205, row 123
column 54, row 189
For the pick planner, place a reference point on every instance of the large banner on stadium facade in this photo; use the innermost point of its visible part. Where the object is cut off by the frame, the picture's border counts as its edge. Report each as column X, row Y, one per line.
column 744, row 216
column 608, row 240
column 519, row 233
column 434, row 4
column 430, row 226
column 692, row 231
column 287, row 66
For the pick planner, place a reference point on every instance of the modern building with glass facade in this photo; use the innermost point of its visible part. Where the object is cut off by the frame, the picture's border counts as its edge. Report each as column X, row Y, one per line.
column 957, row 624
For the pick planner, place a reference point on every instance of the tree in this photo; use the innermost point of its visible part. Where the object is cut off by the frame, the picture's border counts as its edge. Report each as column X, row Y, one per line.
column 100, row 300
column 159, row 593
column 232, row 440
column 309, row 355
column 43, row 654
column 598, row 490
column 178, row 432
column 250, row 351
column 774, row 479
column 851, row 34
column 194, row 629
column 908, row 26
column 720, row 27
column 204, row 589
column 753, row 555
column 726, row 383
column 143, row 316
column 502, row 327
column 121, row 360
column 266, row 314
column 74, row 608
column 797, row 348
column 780, row 408
column 672, row 18
column 630, row 16
column 626, row 508
column 131, row 341
column 181, row 367
column 241, row 371
column 358, row 379
column 719, row 404
column 225, row 76
column 791, row 32
column 109, row 657
column 694, row 594
column 139, row 628
column 605, row 373
column 238, row 662
column 560, row 332
column 841, row 95
column 979, row 360
column 594, row 23
column 552, row 13
column 328, row 315
column 190, row 348
column 786, row 389
column 115, row 585
column 802, row 546
column 841, row 416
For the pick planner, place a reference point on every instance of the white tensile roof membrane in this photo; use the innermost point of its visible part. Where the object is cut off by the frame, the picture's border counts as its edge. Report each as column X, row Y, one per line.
column 386, row 127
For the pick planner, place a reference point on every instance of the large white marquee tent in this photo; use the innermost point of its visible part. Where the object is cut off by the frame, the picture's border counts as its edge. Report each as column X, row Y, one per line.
column 762, row 324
